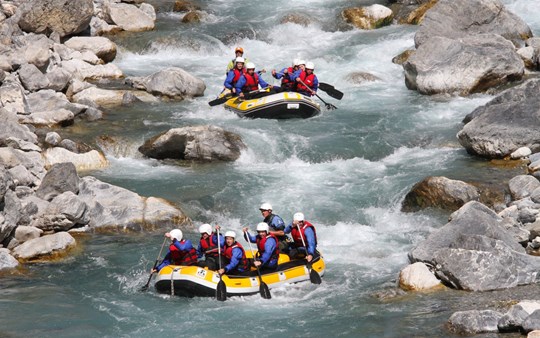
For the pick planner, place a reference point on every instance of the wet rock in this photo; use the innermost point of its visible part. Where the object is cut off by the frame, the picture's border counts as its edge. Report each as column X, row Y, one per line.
column 32, row 78
column 63, row 17
column 521, row 153
column 148, row 10
column 25, row 233
column 370, row 17
column 417, row 277
column 71, row 207
column 102, row 47
column 411, row 12
column 86, row 161
column 298, row 19
column 60, row 178
column 459, row 19
column 462, row 66
column 512, row 320
column 202, row 143
column 439, row 192
column 361, row 77
column 185, row 6
column 129, row 17
column 44, row 247
column 522, row 186
column 109, row 97
column 192, row 17
column 6, row 260
column 517, row 109
column 474, row 321
column 172, row 82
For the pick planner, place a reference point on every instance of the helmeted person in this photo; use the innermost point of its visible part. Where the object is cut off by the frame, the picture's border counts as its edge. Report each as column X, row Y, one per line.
column 235, row 74
column 238, row 52
column 276, row 226
column 249, row 81
column 266, row 244
column 181, row 251
column 235, row 256
column 208, row 247
column 286, row 75
column 307, row 82
column 302, row 232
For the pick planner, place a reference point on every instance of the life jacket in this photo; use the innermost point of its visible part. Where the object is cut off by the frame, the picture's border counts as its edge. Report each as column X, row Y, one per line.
column 268, row 220
column 237, row 74
column 227, row 253
column 180, row 257
column 295, row 234
column 252, row 82
column 286, row 81
column 308, row 80
column 208, row 244
column 261, row 241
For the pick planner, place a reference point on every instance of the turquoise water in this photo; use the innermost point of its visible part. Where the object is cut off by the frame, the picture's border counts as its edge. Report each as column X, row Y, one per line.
column 347, row 170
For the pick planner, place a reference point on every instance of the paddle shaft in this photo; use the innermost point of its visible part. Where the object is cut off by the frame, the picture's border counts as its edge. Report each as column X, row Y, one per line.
column 328, row 105
column 314, row 276
column 155, row 264
column 264, row 287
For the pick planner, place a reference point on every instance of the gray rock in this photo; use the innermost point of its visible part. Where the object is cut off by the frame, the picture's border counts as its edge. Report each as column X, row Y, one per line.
column 31, row 160
column 12, row 215
column 71, row 206
column 130, row 18
column 17, row 143
column 512, row 320
column 527, row 215
column 517, row 109
column 534, row 229
column 35, row 49
column 439, row 192
column 40, row 248
column 60, row 178
column 49, row 101
column 102, row 47
column 462, row 66
column 5, row 182
column 58, row 79
column 172, row 82
column 25, row 233
column 201, row 143
column 474, row 321
column 47, row 16
column 6, row 260
column 60, row 117
column 53, row 138
column 456, row 19
column 32, row 78
column 9, row 129
column 21, row 176
column 12, row 98
column 532, row 322
column 522, row 186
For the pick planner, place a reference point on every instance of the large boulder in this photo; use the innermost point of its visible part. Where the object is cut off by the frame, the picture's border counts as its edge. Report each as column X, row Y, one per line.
column 60, row 178
column 31, row 160
column 411, row 12
column 6, row 260
column 10, row 129
column 61, row 16
column 12, row 98
column 517, row 109
column 83, row 70
column 90, row 160
column 114, row 208
column 130, row 18
column 172, row 82
column 416, row 277
column 474, row 321
column 111, row 97
column 201, row 143
column 439, row 192
column 104, row 48
column 32, row 78
column 50, row 246
column 462, row 66
column 512, row 320
column 370, row 17
column 457, row 19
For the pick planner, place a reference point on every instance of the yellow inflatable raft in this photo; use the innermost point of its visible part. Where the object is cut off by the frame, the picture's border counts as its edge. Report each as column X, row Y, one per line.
column 194, row 281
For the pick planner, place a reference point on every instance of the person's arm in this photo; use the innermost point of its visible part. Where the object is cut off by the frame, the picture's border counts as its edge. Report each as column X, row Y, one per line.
column 315, row 83
column 228, row 80
column 235, row 259
column 186, row 246
column 310, row 241
column 269, row 248
column 199, row 250
column 288, row 229
column 263, row 83
column 166, row 261
column 240, row 84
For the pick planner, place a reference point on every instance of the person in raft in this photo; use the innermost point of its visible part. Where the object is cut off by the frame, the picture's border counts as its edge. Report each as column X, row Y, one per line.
column 208, row 247
column 181, row 251
column 304, row 237
column 235, row 256
column 267, row 244
column 276, row 225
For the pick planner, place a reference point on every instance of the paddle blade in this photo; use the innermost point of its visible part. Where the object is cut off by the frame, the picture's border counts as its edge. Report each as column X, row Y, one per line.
column 265, row 292
column 330, row 90
column 314, row 277
column 220, row 100
column 145, row 287
column 221, row 291
column 330, row 106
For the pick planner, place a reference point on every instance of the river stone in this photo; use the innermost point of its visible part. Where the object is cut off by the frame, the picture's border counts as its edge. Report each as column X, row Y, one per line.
column 130, row 18
column 532, row 322
column 48, row 100
column 53, row 138
column 534, row 334
column 71, row 206
column 11, row 129
column 12, row 98
column 32, row 78
column 455, row 19
column 61, row 16
column 11, row 216
column 60, row 178
column 369, row 17
column 185, row 6
column 6, row 260
column 512, row 320
column 201, row 143
column 474, row 321
column 58, row 79
column 462, row 66
column 172, row 82
column 110, row 97
column 25, row 233
column 42, row 247
column 522, row 186
column 417, row 277
column 84, row 71
column 35, row 49
column 411, row 12
column 517, row 109
column 439, row 192
column 102, row 47
column 521, row 153
column 21, row 176
column 85, row 161
column 50, row 118
column 31, row 160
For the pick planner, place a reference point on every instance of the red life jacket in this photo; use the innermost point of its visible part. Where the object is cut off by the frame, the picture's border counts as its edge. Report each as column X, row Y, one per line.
column 308, row 80
column 180, row 257
column 286, row 79
column 208, row 244
column 252, row 82
column 295, row 234
column 227, row 253
column 237, row 74
column 261, row 241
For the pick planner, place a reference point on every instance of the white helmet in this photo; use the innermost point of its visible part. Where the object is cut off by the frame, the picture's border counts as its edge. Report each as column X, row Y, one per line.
column 176, row 233
column 295, row 62
column 310, row 65
column 230, row 233
column 301, row 62
column 250, row 65
column 262, row 227
column 205, row 228
column 239, row 59
column 266, row 206
column 298, row 216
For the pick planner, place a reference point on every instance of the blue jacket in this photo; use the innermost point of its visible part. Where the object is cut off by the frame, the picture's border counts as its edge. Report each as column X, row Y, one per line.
column 269, row 248
column 186, row 246
column 309, row 239
column 242, row 82
column 235, row 260
column 275, row 222
column 229, row 79
column 200, row 251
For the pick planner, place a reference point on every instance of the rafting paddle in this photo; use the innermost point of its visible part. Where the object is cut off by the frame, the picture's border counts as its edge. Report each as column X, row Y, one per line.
column 326, row 104
column 263, row 290
column 330, row 90
column 145, row 287
column 220, row 100
column 314, row 276
column 221, row 289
